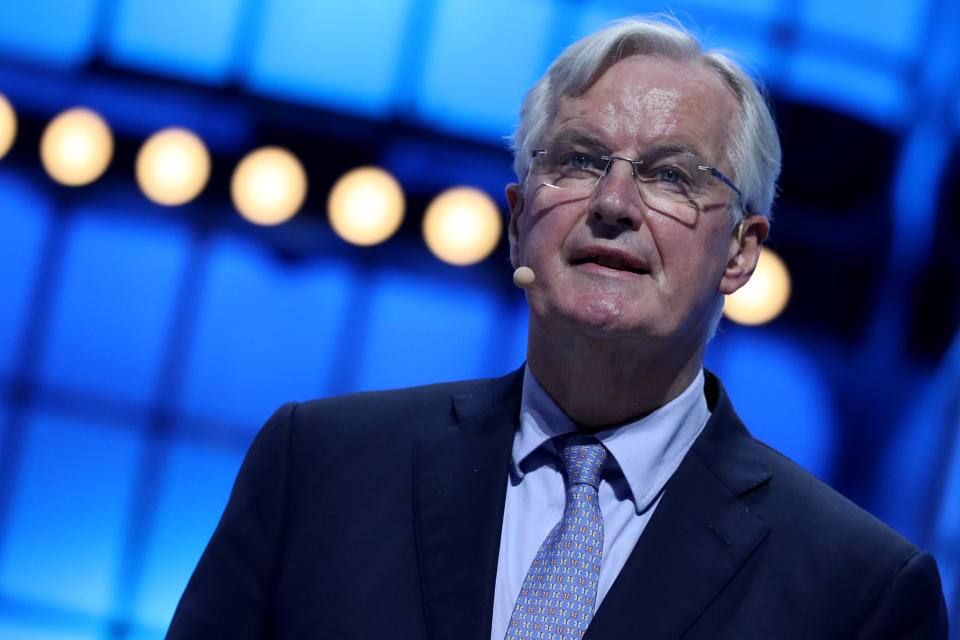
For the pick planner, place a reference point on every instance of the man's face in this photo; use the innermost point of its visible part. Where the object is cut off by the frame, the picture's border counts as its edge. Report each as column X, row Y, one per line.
column 607, row 264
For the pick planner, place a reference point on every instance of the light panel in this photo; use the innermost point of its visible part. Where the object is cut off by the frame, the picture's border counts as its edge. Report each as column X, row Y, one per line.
column 478, row 65
column 345, row 55
column 266, row 331
column 52, row 32
column 185, row 38
column 67, row 517
column 108, row 327
column 421, row 322
column 894, row 26
column 25, row 218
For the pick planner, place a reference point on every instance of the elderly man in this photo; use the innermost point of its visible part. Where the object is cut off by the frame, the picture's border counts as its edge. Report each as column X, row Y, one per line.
column 607, row 490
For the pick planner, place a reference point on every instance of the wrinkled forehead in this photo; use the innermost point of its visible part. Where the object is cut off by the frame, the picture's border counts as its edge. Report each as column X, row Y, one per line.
column 646, row 100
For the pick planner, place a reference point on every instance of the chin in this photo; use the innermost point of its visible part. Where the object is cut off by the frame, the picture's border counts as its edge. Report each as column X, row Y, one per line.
column 606, row 318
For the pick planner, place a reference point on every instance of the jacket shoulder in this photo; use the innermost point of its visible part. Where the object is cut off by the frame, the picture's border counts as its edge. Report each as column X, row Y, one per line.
column 786, row 495
column 846, row 555
column 808, row 505
column 408, row 411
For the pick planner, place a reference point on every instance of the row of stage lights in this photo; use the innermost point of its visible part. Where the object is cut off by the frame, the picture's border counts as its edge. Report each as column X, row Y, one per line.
column 461, row 226
column 366, row 206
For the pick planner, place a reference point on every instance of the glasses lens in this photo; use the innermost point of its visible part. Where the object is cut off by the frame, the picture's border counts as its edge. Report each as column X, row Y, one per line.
column 675, row 183
column 681, row 185
column 569, row 166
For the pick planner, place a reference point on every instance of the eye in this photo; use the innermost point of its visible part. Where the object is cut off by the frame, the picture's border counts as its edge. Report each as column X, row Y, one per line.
column 670, row 174
column 581, row 161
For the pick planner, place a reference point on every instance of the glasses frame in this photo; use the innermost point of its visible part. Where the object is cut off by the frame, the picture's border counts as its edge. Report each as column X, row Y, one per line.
column 634, row 164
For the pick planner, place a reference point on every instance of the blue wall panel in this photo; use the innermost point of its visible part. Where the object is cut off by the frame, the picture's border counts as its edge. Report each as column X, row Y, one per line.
column 49, row 31
column 26, row 630
column 779, row 393
column 595, row 13
column 266, row 332
column 186, row 38
column 948, row 527
column 708, row 12
column 482, row 57
column 339, row 54
column 63, row 543
column 742, row 28
column 947, row 531
column 196, row 486
column 872, row 93
column 266, row 329
column 908, row 469
column 893, row 26
column 145, row 634
column 434, row 331
column 114, row 305
column 24, row 220
column 511, row 334
column 4, row 417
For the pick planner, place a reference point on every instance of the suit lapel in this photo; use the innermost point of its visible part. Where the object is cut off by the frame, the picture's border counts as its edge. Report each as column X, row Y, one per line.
column 460, row 477
column 699, row 536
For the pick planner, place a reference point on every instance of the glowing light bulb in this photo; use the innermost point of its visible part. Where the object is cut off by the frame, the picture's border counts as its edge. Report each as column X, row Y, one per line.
column 76, row 147
column 365, row 206
column 269, row 186
column 764, row 296
column 8, row 125
column 173, row 166
column 462, row 226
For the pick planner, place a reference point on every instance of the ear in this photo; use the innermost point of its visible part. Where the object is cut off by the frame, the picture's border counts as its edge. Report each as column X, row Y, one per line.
column 745, row 244
column 515, row 200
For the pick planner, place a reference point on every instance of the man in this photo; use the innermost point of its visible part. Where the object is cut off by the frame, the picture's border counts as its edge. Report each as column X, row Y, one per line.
column 468, row 510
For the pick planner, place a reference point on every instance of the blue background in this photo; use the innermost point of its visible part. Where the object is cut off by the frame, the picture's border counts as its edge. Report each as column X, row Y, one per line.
column 141, row 347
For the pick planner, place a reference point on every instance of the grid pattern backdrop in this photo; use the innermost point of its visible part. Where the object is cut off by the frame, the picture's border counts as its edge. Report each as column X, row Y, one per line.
column 141, row 347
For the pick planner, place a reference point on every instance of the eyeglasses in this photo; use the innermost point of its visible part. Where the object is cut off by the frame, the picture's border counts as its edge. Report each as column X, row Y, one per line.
column 677, row 183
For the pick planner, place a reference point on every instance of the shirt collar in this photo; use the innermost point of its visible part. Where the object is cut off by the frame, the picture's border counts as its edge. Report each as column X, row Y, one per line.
column 647, row 451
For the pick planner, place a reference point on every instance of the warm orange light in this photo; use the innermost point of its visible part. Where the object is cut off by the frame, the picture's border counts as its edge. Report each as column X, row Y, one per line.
column 173, row 166
column 764, row 296
column 269, row 186
column 462, row 226
column 76, row 147
column 8, row 125
column 365, row 206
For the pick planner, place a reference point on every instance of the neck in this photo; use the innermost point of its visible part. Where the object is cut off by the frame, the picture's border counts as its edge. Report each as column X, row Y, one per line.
column 600, row 383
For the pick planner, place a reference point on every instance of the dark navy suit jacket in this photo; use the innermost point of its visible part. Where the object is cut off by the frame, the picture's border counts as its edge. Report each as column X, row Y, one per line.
column 378, row 515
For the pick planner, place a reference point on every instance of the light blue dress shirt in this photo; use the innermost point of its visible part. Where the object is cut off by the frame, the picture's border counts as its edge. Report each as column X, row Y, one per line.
column 643, row 455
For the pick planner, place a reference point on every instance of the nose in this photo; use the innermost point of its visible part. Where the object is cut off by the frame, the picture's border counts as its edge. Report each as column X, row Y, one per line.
column 616, row 202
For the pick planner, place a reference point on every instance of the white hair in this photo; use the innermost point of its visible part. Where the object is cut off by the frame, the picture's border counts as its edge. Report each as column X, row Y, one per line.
column 754, row 150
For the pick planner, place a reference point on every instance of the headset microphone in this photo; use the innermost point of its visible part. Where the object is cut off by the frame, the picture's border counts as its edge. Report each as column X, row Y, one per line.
column 523, row 277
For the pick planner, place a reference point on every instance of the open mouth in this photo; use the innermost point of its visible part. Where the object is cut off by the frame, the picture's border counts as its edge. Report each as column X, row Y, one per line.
column 611, row 262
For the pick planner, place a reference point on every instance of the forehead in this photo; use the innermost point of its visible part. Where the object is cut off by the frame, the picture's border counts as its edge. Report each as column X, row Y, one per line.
column 644, row 100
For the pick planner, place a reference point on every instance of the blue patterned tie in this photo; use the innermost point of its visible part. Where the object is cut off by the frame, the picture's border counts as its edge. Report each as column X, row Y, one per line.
column 557, row 597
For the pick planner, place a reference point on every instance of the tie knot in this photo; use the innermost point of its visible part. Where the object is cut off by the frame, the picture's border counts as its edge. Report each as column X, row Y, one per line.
column 584, row 457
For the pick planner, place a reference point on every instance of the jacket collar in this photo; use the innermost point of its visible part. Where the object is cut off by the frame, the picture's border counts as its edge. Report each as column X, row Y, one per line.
column 698, row 538
column 700, row 535
column 460, row 482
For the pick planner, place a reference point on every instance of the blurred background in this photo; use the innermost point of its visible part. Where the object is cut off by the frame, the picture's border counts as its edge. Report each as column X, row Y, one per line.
column 185, row 244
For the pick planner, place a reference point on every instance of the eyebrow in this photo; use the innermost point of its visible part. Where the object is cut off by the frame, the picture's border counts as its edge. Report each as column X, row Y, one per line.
column 658, row 150
column 580, row 137
column 665, row 148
